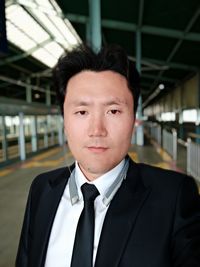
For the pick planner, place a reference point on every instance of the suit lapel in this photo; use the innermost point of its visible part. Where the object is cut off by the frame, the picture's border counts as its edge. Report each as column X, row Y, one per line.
column 120, row 218
column 45, row 215
column 118, row 223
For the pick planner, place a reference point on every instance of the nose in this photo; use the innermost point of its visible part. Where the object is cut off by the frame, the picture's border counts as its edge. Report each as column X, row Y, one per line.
column 97, row 127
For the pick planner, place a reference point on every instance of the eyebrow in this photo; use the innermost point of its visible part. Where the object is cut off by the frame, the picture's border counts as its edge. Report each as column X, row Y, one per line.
column 107, row 103
column 81, row 103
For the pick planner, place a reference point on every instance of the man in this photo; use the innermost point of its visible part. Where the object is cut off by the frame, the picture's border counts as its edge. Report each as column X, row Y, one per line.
column 142, row 216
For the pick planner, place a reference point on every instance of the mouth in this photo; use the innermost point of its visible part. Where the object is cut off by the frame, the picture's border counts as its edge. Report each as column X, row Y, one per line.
column 96, row 149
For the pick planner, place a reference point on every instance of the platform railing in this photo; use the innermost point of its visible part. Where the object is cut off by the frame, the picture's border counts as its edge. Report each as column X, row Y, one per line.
column 24, row 139
column 169, row 142
column 193, row 159
column 189, row 151
column 156, row 133
column 154, row 130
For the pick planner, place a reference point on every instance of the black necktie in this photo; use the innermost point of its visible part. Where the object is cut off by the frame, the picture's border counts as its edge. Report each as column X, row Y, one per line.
column 83, row 245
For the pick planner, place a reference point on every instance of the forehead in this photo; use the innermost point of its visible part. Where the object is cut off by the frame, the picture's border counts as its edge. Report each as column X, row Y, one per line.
column 98, row 83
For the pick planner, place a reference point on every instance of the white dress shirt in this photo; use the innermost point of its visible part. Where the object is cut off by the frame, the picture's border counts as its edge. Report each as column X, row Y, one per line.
column 60, row 247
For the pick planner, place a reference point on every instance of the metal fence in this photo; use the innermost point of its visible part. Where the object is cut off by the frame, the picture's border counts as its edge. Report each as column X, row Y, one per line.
column 193, row 159
column 170, row 142
column 181, row 161
column 154, row 130
column 189, row 151
column 25, row 134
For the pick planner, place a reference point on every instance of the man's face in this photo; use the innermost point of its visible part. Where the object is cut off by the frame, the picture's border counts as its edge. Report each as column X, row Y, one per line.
column 98, row 120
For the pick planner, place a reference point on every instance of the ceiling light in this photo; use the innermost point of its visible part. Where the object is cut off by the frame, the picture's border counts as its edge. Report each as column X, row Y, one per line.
column 37, row 96
column 161, row 86
column 39, row 28
column 45, row 57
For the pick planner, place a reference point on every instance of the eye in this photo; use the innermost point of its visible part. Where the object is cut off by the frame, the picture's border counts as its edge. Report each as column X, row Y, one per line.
column 114, row 111
column 81, row 112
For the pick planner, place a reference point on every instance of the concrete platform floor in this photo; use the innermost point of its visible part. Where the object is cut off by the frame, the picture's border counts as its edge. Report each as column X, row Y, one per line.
column 15, row 181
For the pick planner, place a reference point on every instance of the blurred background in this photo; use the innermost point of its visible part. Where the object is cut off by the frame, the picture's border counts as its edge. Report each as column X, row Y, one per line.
column 162, row 38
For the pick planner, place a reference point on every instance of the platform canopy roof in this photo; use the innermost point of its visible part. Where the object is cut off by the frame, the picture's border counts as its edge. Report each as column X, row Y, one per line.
column 170, row 35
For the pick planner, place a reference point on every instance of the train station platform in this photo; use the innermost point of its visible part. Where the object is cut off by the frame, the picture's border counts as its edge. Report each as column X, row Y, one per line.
column 15, row 181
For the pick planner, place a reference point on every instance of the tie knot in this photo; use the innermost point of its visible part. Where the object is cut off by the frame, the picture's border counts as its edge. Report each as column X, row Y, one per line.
column 89, row 191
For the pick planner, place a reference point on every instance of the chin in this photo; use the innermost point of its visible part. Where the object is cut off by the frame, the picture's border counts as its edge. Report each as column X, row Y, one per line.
column 100, row 170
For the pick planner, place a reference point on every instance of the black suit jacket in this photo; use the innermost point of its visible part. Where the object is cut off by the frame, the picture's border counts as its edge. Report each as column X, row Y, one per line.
column 153, row 220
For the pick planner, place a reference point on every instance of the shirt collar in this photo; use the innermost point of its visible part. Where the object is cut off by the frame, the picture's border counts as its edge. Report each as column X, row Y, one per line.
column 107, row 184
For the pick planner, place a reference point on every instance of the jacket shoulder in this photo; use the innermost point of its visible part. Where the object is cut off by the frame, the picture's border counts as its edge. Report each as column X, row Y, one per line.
column 50, row 179
column 162, row 178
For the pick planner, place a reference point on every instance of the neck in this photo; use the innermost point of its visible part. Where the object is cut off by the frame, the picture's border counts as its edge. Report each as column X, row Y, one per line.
column 89, row 175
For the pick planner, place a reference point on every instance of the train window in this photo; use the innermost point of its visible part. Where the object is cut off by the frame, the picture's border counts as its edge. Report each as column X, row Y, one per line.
column 190, row 115
column 168, row 116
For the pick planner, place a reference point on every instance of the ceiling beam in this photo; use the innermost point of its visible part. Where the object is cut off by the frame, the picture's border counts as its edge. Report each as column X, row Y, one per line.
column 19, row 68
column 162, row 79
column 154, row 68
column 23, row 84
column 173, row 65
column 186, row 31
column 126, row 26
column 176, row 34
column 141, row 12
column 44, row 73
column 156, row 64
column 175, row 48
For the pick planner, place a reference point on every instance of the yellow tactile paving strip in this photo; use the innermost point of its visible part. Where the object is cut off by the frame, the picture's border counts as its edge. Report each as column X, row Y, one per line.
column 43, row 163
column 167, row 162
column 164, row 155
column 133, row 156
column 5, row 172
column 47, row 154
column 163, row 165
column 42, row 160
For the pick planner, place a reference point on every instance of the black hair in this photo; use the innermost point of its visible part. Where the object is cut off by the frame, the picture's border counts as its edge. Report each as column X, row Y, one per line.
column 82, row 57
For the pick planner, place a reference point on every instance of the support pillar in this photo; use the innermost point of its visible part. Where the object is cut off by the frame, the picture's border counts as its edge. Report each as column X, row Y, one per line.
column 50, row 130
column 181, row 129
column 48, row 96
column 139, row 130
column 198, row 126
column 198, row 111
column 34, row 133
column 22, row 148
column 95, row 24
column 4, row 139
column 45, row 133
column 60, row 131
column 88, row 32
column 28, row 91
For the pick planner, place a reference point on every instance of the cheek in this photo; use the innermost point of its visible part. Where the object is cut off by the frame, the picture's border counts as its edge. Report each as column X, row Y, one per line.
column 73, row 131
column 68, row 127
column 122, row 129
